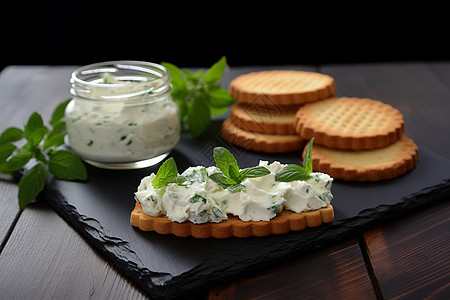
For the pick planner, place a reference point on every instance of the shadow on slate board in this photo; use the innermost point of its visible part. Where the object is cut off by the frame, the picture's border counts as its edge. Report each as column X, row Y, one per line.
column 168, row 266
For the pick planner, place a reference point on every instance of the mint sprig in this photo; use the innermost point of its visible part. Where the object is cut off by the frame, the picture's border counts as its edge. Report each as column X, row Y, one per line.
column 167, row 173
column 41, row 147
column 293, row 172
column 198, row 95
column 231, row 176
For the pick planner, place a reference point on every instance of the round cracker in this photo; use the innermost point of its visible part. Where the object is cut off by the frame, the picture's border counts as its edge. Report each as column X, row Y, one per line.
column 282, row 87
column 284, row 222
column 350, row 123
column 269, row 143
column 366, row 165
column 264, row 119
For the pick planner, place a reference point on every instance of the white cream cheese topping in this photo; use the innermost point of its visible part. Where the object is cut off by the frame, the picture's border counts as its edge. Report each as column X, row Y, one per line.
column 201, row 200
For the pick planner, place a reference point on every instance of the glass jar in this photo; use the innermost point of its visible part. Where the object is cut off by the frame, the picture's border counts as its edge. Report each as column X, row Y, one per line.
column 122, row 115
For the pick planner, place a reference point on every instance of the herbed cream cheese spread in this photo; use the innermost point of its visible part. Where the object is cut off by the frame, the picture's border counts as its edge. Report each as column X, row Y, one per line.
column 199, row 199
column 104, row 128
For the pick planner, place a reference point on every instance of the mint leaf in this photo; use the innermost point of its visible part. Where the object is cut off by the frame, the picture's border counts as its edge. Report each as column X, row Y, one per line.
column 253, row 172
column 219, row 97
column 37, row 153
column 222, row 180
column 198, row 117
column 234, row 173
column 178, row 180
column 218, row 111
column 66, row 166
column 58, row 113
column 31, row 184
column 197, row 95
column 10, row 135
column 236, row 188
column 5, row 151
column 37, row 136
column 225, row 160
column 307, row 161
column 191, row 76
column 34, row 123
column 54, row 140
column 19, row 160
column 175, row 73
column 291, row 172
column 294, row 172
column 213, row 74
column 166, row 172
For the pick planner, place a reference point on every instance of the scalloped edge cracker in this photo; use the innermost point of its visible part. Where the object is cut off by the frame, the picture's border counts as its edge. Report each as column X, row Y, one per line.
column 284, row 222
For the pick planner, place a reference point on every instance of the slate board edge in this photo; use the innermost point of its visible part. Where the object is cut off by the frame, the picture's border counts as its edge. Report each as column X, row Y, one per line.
column 163, row 285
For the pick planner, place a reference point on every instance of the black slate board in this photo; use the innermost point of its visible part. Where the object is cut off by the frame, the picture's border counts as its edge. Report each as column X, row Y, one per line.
column 168, row 266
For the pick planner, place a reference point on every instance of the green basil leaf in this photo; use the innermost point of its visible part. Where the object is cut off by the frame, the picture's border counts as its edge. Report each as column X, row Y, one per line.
column 6, row 150
column 189, row 75
column 235, row 188
column 225, row 160
column 291, row 172
column 175, row 74
column 178, row 179
column 34, row 123
column 10, row 135
column 66, row 166
column 222, row 180
column 4, row 168
column 31, row 184
column 36, row 152
column 198, row 117
column 59, row 127
column 54, row 140
column 19, row 160
column 199, row 74
column 166, row 172
column 218, row 111
column 234, row 173
column 254, row 172
column 307, row 161
column 58, row 113
column 37, row 136
column 213, row 74
column 219, row 97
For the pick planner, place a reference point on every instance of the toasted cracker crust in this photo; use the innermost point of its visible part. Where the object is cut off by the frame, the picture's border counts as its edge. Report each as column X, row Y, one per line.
column 260, row 142
column 350, row 123
column 264, row 119
column 284, row 222
column 366, row 165
column 283, row 87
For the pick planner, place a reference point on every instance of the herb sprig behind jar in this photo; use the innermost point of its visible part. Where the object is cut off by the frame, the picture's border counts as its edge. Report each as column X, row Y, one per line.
column 199, row 96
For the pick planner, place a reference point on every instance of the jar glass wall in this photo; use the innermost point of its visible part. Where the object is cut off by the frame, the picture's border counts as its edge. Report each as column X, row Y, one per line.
column 122, row 115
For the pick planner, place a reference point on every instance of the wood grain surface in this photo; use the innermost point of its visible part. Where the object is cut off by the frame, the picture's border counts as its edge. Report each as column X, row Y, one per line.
column 336, row 272
column 410, row 257
column 42, row 257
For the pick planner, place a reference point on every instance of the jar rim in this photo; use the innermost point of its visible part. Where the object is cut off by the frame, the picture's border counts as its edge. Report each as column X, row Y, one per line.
column 157, row 77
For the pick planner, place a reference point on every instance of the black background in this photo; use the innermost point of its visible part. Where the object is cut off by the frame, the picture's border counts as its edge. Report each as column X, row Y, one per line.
column 198, row 34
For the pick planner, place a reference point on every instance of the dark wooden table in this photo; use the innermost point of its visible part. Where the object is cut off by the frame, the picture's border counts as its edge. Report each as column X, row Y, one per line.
column 42, row 257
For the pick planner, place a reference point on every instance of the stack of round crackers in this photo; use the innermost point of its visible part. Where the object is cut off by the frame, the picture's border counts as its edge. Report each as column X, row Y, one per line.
column 263, row 118
column 355, row 139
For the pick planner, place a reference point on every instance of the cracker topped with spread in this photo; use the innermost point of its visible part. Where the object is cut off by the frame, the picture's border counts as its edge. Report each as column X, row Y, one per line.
column 223, row 200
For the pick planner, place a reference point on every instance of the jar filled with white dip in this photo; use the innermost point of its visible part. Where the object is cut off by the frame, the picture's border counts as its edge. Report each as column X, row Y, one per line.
column 122, row 115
